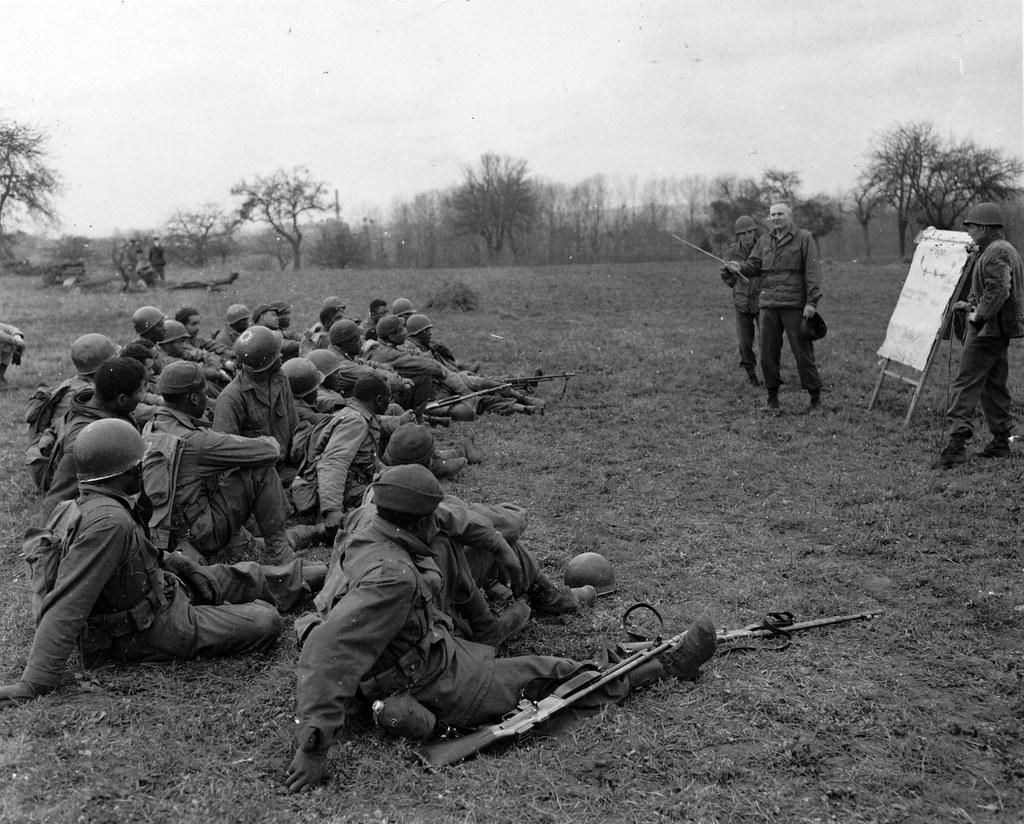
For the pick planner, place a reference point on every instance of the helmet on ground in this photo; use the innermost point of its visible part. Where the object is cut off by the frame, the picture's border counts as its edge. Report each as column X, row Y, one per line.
column 411, row 443
column 590, row 568
column 462, row 413
column 984, row 214
column 237, row 312
column 744, row 223
column 106, row 448
column 174, row 330
column 411, row 489
column 416, row 324
column 146, row 317
column 402, row 307
column 303, row 376
column 814, row 327
column 258, row 348
column 90, row 350
column 343, row 331
column 325, row 361
column 180, row 377
column 389, row 325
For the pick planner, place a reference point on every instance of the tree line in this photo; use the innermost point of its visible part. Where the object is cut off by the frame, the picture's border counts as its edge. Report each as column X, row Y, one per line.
column 499, row 213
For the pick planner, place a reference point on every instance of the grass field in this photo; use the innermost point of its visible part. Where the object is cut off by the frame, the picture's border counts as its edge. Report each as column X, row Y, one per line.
column 659, row 457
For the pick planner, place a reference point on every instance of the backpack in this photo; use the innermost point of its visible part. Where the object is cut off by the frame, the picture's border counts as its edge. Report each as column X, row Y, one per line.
column 304, row 485
column 44, row 548
column 160, row 467
column 42, row 434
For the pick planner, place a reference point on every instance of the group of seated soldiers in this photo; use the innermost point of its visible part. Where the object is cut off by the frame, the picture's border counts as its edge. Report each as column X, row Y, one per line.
column 188, row 479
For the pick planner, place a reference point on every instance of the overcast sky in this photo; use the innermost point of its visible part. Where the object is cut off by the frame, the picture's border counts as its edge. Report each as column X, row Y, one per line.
column 155, row 106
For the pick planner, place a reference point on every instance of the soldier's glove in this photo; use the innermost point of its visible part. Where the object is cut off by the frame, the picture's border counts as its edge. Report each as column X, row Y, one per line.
column 19, row 692
column 201, row 583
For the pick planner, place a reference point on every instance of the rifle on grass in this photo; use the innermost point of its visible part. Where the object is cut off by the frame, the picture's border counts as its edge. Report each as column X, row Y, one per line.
column 529, row 381
column 433, row 407
column 529, row 714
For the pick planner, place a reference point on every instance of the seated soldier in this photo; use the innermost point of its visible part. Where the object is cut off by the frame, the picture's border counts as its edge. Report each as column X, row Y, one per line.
column 425, row 372
column 341, row 456
column 177, row 346
column 116, row 594
column 117, row 388
column 317, row 336
column 380, row 633
column 414, row 444
column 333, row 388
column 237, row 318
column 503, row 401
column 346, row 343
column 148, row 322
column 188, row 316
column 378, row 309
column 12, row 347
column 222, row 479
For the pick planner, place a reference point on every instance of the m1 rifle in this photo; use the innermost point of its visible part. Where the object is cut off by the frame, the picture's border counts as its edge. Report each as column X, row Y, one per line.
column 518, row 725
column 433, row 407
column 528, row 382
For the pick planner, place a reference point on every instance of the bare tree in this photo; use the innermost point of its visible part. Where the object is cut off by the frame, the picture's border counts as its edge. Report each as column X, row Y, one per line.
column 820, row 215
column 27, row 182
column 281, row 200
column 779, row 185
column 197, row 233
column 897, row 162
column 961, row 174
column 496, row 202
column 866, row 197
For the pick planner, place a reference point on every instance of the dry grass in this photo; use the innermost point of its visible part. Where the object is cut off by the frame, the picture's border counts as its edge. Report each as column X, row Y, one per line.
column 659, row 457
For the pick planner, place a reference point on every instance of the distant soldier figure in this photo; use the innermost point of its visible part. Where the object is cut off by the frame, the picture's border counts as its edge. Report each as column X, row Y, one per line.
column 157, row 258
column 238, row 320
column 745, row 292
column 318, row 335
column 378, row 309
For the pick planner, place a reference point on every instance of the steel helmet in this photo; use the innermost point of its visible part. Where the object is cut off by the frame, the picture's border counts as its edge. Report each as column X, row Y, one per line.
column 343, row 331
column 180, row 377
column 90, row 350
column 258, row 348
column 402, row 307
column 174, row 330
column 389, row 325
column 814, row 327
column 744, row 223
column 416, row 324
column 411, row 489
column 462, row 412
column 590, row 568
column 303, row 376
column 325, row 361
column 984, row 214
column 146, row 317
column 106, row 448
column 333, row 302
column 237, row 312
column 411, row 443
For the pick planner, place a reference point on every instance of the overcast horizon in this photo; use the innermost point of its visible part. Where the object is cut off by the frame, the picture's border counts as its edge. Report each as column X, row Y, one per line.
column 155, row 107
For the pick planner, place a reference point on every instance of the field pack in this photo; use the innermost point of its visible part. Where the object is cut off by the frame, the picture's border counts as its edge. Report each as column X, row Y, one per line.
column 42, row 432
column 43, row 548
column 160, row 467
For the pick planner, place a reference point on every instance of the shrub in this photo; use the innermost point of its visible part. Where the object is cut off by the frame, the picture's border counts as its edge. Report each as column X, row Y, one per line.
column 454, row 295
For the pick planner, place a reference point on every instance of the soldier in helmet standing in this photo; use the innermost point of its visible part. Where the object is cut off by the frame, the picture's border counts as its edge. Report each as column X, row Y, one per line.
column 117, row 595
column 995, row 309
column 744, row 294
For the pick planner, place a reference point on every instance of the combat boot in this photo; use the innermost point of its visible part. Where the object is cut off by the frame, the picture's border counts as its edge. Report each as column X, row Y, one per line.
column 955, row 451
column 697, row 646
column 773, row 403
column 548, row 598
column 814, row 405
column 752, row 377
column 446, row 467
column 998, row 447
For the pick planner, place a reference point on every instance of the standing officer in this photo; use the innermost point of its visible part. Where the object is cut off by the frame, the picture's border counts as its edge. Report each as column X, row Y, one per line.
column 786, row 259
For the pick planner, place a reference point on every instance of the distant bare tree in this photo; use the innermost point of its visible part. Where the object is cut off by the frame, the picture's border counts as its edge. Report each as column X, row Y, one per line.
column 197, row 233
column 281, row 200
column 731, row 197
column 961, row 174
column 866, row 197
column 496, row 202
column 897, row 163
column 27, row 182
column 779, row 185
column 820, row 215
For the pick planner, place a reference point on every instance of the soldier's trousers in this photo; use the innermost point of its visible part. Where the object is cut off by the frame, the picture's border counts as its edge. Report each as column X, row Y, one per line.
column 243, row 493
